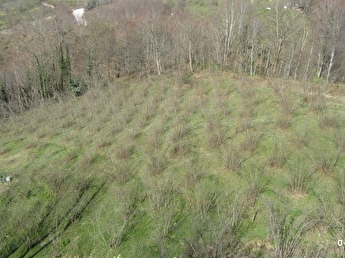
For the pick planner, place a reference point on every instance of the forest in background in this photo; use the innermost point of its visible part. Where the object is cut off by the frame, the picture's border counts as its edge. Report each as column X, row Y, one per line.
column 49, row 55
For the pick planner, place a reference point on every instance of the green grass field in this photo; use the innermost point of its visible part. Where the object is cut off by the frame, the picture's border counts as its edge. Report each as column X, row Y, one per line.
column 212, row 166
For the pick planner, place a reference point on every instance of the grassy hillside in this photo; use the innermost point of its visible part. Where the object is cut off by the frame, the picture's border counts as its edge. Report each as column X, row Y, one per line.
column 209, row 165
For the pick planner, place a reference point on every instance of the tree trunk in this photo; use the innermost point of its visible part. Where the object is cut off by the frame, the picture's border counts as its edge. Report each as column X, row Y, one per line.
column 331, row 62
column 190, row 55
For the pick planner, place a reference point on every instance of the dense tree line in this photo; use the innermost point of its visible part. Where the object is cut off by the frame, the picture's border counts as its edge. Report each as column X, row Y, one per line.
column 140, row 37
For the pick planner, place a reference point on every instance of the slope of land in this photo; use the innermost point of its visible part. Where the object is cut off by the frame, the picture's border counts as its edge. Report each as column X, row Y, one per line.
column 209, row 165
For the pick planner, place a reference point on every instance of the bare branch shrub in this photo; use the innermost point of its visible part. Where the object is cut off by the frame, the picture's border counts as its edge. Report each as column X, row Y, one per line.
column 286, row 229
column 114, row 224
column 302, row 138
column 206, row 196
column 153, row 143
column 169, row 221
column 340, row 189
column 146, row 113
column 216, row 132
column 244, row 125
column 249, row 101
column 162, row 194
column 314, row 96
column 251, row 140
column 246, row 91
column 299, row 176
column 339, row 140
column 277, row 86
column 181, row 147
column 332, row 121
column 256, row 184
column 122, row 171
column 221, row 234
column 156, row 162
column 180, row 143
column 233, row 158
column 279, row 155
column 287, row 104
column 326, row 162
column 195, row 170
column 284, row 120
column 124, row 150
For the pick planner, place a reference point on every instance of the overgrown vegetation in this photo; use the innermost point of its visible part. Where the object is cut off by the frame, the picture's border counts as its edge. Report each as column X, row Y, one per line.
column 98, row 175
column 145, row 135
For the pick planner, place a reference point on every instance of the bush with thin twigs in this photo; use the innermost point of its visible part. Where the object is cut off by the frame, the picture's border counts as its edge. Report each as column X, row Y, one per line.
column 284, row 121
column 302, row 138
column 314, row 96
column 3, row 151
column 219, row 235
column 181, row 130
column 340, row 186
column 338, row 138
column 180, row 140
column 124, row 150
column 287, row 104
column 146, row 113
column 332, row 121
column 122, row 171
column 287, row 228
column 216, row 132
column 155, row 157
column 287, row 109
column 246, row 91
column 326, row 162
column 299, row 176
column 233, row 159
column 195, row 170
column 222, row 95
column 162, row 194
column 249, row 102
column 244, row 125
column 153, row 143
column 87, row 160
column 279, row 155
column 251, row 140
column 116, row 223
column 277, row 86
column 181, row 147
column 169, row 222
column 256, row 183
column 247, row 110
column 206, row 194
column 156, row 162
